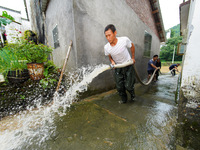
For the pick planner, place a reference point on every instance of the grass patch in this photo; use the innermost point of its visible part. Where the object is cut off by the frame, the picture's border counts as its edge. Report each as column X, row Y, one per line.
column 168, row 63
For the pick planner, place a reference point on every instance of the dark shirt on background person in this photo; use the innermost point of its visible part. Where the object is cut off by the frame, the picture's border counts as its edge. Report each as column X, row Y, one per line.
column 158, row 64
column 173, row 69
column 152, row 66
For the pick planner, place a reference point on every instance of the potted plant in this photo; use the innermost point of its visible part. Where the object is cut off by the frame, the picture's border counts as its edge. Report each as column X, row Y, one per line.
column 12, row 64
column 36, row 55
column 30, row 36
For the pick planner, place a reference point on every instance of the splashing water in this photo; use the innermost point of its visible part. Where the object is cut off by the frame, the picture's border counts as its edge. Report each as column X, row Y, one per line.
column 36, row 125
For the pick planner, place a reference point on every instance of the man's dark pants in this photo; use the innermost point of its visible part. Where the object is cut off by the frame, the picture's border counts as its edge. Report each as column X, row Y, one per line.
column 125, row 80
column 173, row 72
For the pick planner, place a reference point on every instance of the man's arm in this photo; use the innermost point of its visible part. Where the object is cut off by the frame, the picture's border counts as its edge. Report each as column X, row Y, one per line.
column 175, row 67
column 153, row 66
column 133, row 52
column 111, row 60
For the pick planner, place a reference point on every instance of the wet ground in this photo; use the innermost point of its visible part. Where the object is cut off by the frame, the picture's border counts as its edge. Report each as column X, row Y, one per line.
column 101, row 123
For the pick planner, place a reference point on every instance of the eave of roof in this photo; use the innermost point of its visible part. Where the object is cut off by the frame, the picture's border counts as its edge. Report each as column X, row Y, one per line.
column 155, row 6
column 44, row 5
column 183, row 21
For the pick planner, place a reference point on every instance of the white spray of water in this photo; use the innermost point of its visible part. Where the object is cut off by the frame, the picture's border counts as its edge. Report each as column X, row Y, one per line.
column 37, row 125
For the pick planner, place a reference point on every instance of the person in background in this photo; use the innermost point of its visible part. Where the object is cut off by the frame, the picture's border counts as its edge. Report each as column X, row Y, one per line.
column 173, row 68
column 117, row 51
column 158, row 64
column 152, row 66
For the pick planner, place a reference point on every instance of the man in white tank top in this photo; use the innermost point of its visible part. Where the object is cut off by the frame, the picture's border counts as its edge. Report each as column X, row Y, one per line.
column 117, row 50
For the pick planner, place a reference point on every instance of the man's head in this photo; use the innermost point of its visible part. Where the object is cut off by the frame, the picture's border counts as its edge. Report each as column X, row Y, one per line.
column 110, row 27
column 155, row 57
column 110, row 33
column 178, row 64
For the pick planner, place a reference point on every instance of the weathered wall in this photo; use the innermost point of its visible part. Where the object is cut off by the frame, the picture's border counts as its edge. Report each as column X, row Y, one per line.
column 189, row 104
column 60, row 13
column 83, row 21
column 184, row 11
column 143, row 9
column 37, row 22
column 191, row 66
column 91, row 17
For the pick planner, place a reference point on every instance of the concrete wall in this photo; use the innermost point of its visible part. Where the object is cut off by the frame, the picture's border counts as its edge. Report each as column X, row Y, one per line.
column 83, row 21
column 143, row 9
column 91, row 17
column 191, row 67
column 189, row 102
column 37, row 21
column 60, row 13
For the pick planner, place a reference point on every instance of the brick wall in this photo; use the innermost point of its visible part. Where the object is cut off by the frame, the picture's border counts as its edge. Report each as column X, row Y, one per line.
column 143, row 9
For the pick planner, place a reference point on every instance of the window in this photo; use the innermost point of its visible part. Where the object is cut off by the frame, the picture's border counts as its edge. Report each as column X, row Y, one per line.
column 147, row 44
column 181, row 49
column 55, row 37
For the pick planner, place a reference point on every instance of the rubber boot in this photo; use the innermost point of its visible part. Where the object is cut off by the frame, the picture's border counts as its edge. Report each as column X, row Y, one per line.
column 132, row 93
column 123, row 96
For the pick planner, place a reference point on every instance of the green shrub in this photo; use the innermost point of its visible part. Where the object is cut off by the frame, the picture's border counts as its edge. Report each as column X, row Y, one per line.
column 35, row 53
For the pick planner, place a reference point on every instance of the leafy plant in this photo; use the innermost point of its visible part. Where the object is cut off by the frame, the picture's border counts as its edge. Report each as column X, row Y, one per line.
column 30, row 36
column 49, row 70
column 166, row 52
column 15, row 35
column 5, row 19
column 35, row 53
column 10, row 59
column 22, row 97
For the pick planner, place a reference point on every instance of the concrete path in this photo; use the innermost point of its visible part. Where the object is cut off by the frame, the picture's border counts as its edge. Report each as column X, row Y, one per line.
column 100, row 122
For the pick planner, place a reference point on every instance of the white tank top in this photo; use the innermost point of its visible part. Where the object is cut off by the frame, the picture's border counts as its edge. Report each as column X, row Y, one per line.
column 119, row 52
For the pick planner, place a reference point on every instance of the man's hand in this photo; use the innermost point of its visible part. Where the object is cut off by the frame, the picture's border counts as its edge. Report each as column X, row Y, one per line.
column 111, row 60
column 133, row 61
column 113, row 63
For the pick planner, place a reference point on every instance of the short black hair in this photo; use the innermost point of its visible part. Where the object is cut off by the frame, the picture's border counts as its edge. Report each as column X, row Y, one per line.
column 111, row 27
column 155, row 56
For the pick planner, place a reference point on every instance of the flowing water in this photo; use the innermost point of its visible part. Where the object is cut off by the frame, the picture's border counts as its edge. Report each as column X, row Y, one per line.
column 96, row 123
column 37, row 125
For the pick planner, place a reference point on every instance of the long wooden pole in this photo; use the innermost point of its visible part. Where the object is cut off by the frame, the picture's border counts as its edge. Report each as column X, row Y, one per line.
column 63, row 69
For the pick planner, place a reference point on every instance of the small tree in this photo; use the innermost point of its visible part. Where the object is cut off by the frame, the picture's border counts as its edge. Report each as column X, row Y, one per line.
column 4, row 20
column 172, row 33
column 166, row 52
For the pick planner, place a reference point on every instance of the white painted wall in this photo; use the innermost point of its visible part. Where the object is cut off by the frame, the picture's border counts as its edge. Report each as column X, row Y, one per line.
column 12, row 29
column 191, row 67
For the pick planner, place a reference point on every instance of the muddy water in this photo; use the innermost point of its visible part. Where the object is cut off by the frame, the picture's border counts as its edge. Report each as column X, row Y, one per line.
column 100, row 122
